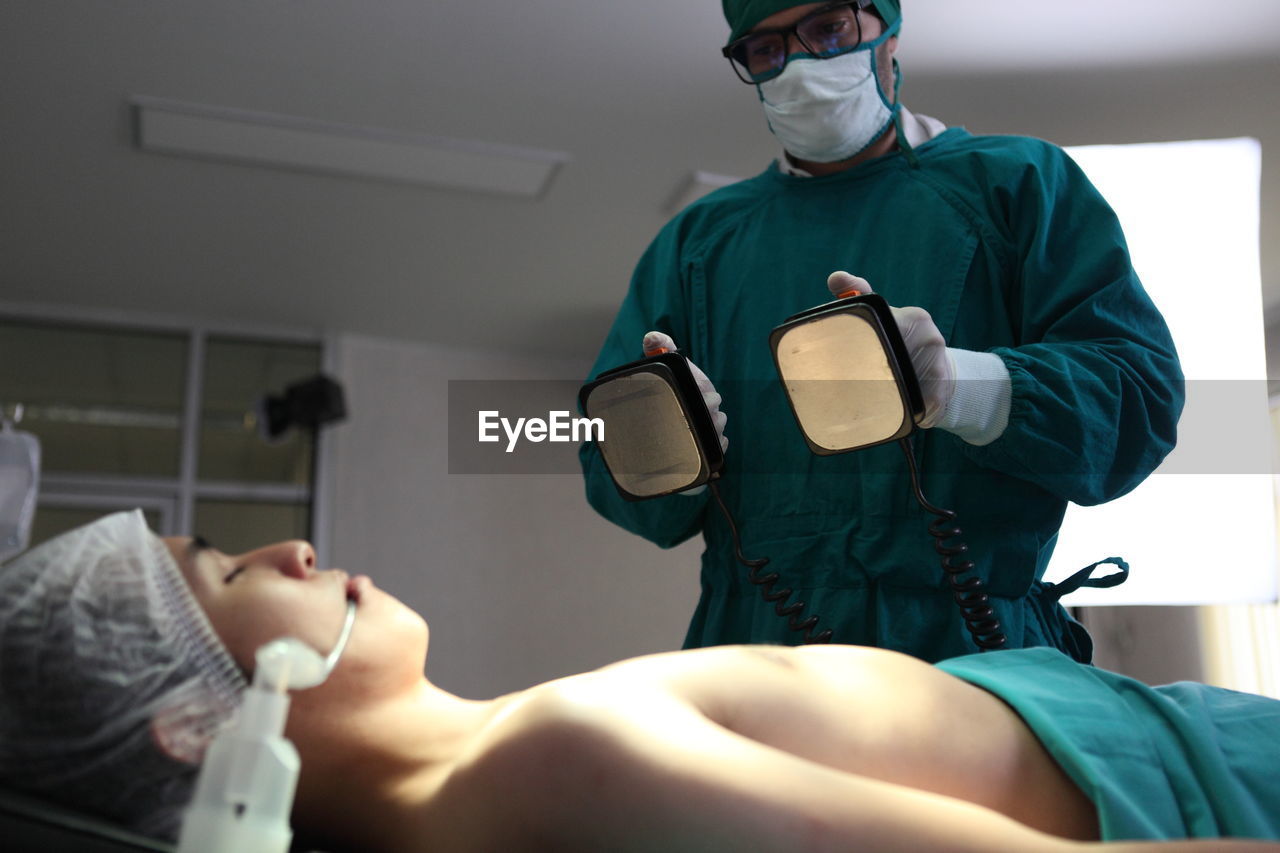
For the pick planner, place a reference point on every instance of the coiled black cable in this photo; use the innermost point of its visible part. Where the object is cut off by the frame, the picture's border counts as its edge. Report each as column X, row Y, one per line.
column 970, row 594
column 765, row 582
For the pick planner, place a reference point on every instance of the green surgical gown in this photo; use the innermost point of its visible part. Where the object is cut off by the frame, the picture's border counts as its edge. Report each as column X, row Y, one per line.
column 1012, row 251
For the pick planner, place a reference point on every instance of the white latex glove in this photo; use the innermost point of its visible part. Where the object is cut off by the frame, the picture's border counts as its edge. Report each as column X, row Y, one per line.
column 656, row 342
column 925, row 346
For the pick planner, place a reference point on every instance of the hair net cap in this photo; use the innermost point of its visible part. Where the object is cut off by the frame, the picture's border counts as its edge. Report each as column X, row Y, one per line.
column 742, row 15
column 110, row 676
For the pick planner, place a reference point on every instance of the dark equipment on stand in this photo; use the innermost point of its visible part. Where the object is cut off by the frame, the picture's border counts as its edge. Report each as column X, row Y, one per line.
column 307, row 405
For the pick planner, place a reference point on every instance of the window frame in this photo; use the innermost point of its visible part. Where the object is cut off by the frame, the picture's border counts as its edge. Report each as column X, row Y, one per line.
column 175, row 498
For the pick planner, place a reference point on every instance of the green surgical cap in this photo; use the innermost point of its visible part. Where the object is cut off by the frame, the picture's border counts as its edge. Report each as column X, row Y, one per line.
column 742, row 15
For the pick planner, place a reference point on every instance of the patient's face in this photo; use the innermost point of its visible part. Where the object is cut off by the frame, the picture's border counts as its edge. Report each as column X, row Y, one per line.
column 276, row 591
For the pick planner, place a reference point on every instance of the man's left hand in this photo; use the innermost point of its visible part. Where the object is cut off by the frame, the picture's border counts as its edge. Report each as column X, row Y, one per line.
column 925, row 345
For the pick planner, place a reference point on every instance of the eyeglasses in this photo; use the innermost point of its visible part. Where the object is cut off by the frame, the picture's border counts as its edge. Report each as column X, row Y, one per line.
column 830, row 31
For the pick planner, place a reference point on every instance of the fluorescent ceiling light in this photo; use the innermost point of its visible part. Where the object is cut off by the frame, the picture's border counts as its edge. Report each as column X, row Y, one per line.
column 291, row 142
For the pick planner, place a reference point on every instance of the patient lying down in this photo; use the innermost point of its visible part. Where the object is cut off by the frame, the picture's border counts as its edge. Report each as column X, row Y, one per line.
column 120, row 653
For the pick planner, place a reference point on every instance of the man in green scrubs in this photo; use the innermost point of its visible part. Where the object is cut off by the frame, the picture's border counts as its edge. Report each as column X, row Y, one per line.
column 1049, row 375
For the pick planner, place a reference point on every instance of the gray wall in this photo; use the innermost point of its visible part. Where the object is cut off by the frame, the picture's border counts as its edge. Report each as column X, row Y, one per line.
column 1153, row 644
column 519, row 579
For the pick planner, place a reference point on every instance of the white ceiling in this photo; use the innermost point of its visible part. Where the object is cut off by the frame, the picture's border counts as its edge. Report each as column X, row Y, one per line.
column 968, row 35
column 635, row 93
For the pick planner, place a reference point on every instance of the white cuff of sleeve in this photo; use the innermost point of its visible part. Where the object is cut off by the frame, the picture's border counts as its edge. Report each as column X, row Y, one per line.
column 979, row 408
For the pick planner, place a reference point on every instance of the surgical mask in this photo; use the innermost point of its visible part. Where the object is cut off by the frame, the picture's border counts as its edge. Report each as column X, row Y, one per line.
column 19, row 481
column 827, row 110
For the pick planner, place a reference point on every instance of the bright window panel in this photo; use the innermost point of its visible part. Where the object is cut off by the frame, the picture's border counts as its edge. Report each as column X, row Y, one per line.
column 101, row 401
column 1202, row 528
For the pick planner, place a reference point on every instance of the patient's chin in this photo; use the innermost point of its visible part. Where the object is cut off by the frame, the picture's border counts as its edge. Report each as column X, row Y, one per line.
column 406, row 623
column 388, row 646
column 417, row 639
